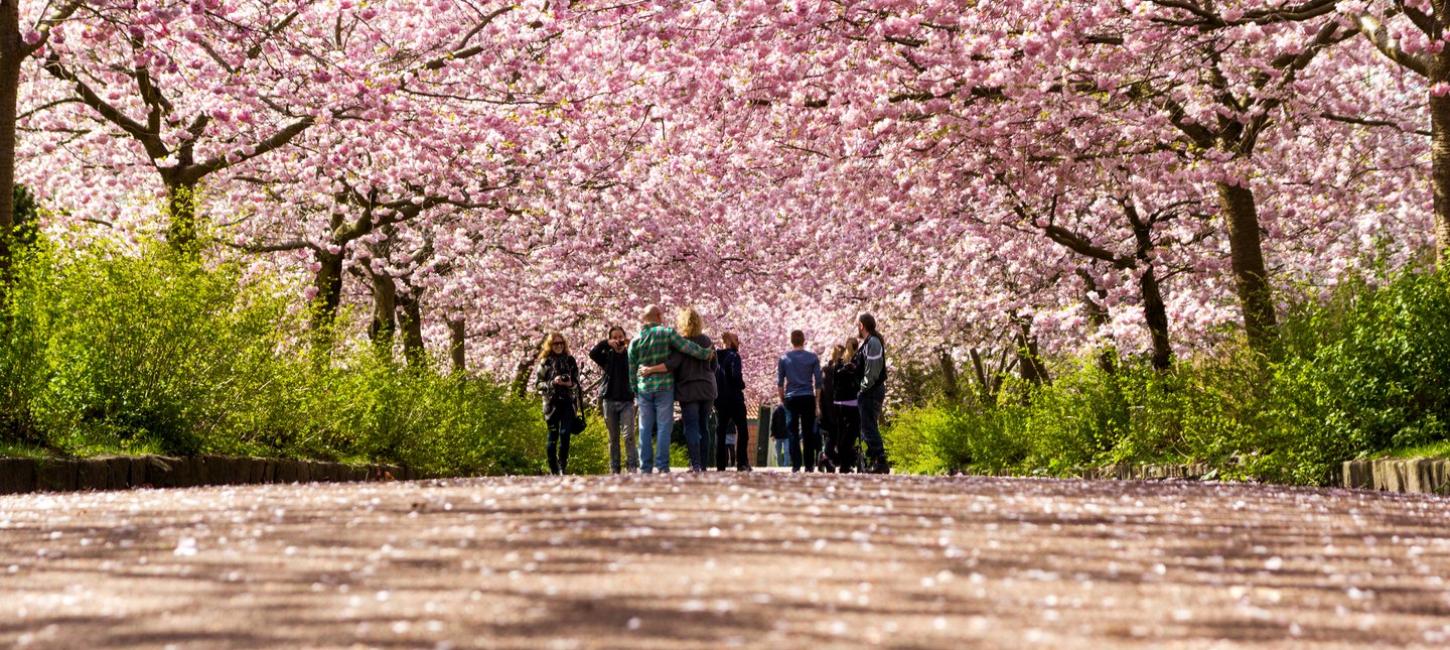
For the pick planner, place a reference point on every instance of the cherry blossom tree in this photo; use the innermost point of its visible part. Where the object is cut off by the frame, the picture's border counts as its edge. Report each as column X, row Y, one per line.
column 1113, row 177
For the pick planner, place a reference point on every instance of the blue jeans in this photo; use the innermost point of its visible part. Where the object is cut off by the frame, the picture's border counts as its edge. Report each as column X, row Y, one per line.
column 694, row 415
column 782, row 451
column 619, row 421
column 656, row 418
column 870, row 405
column 805, row 440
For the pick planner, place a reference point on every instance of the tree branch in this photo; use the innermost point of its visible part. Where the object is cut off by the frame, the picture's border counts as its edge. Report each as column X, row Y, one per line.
column 149, row 140
column 1375, row 31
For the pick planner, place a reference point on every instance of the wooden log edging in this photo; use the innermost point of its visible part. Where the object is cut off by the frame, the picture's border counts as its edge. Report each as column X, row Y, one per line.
column 1417, row 475
column 1408, row 475
column 1163, row 472
column 22, row 475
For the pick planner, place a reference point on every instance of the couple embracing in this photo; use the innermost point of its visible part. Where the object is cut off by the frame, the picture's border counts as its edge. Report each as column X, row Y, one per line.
column 678, row 365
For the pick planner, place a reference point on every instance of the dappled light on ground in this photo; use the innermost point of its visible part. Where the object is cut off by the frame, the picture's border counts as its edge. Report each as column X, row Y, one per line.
column 725, row 560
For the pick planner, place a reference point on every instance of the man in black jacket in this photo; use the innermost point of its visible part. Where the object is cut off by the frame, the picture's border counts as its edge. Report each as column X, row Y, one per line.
column 616, row 397
column 780, row 436
column 730, row 404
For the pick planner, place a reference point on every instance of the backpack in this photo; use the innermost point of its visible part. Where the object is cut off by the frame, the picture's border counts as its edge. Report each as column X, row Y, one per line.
column 777, row 424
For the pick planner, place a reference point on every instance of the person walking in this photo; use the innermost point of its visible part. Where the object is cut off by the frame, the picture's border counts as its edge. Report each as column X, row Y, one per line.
column 779, row 435
column 845, row 411
column 728, row 451
column 798, row 380
column 655, row 391
column 731, row 435
column 695, row 388
column 616, row 398
column 870, row 358
column 557, row 381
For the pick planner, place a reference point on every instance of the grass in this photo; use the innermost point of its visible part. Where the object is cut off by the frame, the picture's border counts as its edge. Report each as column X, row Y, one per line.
column 1433, row 450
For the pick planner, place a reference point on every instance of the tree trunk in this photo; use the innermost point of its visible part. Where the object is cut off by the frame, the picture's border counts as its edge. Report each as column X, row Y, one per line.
column 1157, row 316
column 1031, row 366
column 411, row 322
column 456, row 343
column 385, row 310
column 521, row 373
column 983, row 386
column 1440, row 173
column 1097, row 318
column 181, row 232
column 328, row 282
column 11, row 50
column 949, row 375
column 1251, row 278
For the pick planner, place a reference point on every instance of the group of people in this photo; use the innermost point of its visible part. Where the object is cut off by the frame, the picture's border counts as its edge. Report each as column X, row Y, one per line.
column 644, row 377
column 826, row 409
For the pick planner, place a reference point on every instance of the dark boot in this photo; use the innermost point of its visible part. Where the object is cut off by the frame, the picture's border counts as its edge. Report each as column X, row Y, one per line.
column 878, row 465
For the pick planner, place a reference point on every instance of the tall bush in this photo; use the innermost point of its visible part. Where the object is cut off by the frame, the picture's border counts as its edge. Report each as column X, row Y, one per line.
column 1364, row 370
column 105, row 351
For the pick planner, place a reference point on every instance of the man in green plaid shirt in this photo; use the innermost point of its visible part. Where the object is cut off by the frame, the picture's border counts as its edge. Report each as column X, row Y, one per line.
column 655, row 391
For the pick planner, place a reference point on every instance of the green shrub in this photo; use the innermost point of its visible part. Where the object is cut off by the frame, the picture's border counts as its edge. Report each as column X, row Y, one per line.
column 919, row 440
column 1365, row 370
column 944, row 438
column 150, row 352
column 156, row 352
column 1074, row 421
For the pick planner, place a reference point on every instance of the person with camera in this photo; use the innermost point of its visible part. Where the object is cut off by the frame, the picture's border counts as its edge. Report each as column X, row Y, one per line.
column 616, row 398
column 558, row 382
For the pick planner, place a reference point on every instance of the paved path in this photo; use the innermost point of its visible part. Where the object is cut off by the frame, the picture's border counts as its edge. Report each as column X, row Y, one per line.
column 763, row 560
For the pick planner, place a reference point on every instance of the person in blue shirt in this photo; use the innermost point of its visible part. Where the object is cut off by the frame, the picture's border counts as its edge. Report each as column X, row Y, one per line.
column 798, row 380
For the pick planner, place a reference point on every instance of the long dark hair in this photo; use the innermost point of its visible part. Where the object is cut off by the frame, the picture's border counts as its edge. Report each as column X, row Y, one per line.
column 869, row 322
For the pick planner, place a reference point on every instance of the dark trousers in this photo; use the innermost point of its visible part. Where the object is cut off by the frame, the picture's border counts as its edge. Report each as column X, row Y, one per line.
column 731, row 418
column 870, row 407
column 805, row 440
column 558, row 447
column 846, row 428
column 826, row 422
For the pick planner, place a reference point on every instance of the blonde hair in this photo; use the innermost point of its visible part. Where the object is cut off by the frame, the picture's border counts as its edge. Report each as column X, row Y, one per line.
column 545, row 348
column 837, row 352
column 689, row 323
column 848, row 348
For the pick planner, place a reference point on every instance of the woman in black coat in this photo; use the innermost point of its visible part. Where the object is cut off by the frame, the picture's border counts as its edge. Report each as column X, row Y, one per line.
column 846, row 418
column 558, row 382
column 830, row 457
column 695, row 389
